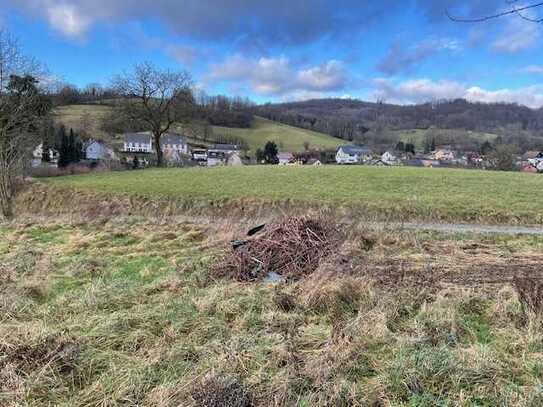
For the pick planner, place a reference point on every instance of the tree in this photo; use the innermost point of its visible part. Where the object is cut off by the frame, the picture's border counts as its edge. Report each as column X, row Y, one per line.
column 486, row 148
column 400, row 146
column 135, row 163
column 22, row 109
column 502, row 158
column 71, row 148
column 157, row 98
column 306, row 145
column 259, row 155
column 410, row 148
column 270, row 153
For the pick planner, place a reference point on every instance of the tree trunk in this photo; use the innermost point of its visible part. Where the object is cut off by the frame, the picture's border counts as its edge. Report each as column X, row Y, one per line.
column 6, row 196
column 158, row 149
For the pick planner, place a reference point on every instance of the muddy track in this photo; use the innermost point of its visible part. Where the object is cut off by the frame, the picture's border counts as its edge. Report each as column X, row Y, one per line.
column 463, row 228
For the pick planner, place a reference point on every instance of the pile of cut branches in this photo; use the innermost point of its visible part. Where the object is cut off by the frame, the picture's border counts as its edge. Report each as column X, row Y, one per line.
column 292, row 248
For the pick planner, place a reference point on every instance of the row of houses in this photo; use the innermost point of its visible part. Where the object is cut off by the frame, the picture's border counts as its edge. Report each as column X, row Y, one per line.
column 175, row 148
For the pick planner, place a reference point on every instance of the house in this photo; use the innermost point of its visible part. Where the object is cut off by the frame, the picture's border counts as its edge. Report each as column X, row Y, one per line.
column 528, row 168
column 531, row 155
column 285, row 158
column 138, row 143
column 389, row 159
column 37, row 156
column 174, row 144
column 442, row 155
column 352, row 154
column 144, row 143
column 97, row 150
column 314, row 162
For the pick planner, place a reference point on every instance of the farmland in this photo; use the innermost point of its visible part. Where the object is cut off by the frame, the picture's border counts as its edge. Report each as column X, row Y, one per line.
column 401, row 193
column 287, row 138
column 128, row 313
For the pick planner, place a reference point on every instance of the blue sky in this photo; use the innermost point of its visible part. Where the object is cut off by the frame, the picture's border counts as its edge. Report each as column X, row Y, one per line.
column 282, row 50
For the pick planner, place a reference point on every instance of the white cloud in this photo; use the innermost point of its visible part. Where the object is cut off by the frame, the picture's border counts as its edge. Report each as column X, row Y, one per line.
column 534, row 69
column 424, row 90
column 278, row 76
column 68, row 19
column 518, row 35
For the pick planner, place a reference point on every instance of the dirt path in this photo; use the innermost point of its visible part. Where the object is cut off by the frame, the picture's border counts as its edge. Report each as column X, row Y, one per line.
column 465, row 228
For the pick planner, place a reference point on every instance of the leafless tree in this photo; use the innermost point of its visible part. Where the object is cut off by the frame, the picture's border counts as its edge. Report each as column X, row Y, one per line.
column 158, row 98
column 14, row 62
column 22, row 109
column 514, row 9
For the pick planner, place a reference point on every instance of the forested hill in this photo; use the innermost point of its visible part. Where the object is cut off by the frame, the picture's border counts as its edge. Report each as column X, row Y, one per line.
column 345, row 118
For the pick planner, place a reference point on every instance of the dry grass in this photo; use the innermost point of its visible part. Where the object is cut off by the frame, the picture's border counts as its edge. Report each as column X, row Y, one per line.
column 128, row 314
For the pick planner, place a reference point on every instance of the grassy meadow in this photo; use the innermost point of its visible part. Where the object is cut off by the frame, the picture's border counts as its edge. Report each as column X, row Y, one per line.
column 402, row 192
column 452, row 136
column 127, row 313
column 82, row 118
column 286, row 137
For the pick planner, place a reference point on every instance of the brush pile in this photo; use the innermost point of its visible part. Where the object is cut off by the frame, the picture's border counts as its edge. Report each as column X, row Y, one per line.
column 291, row 249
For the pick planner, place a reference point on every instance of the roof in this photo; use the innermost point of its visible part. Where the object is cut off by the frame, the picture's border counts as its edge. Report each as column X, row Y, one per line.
column 531, row 154
column 172, row 138
column 140, row 138
column 355, row 150
column 224, row 147
column 285, row 156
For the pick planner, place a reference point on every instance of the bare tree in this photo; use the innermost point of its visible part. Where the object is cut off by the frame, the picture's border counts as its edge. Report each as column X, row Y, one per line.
column 515, row 9
column 157, row 98
column 14, row 62
column 22, row 109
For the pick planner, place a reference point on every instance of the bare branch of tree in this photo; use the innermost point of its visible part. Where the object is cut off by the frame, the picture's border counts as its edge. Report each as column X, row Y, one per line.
column 515, row 10
column 158, row 98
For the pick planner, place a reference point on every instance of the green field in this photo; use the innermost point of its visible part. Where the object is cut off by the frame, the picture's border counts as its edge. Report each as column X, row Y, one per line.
column 287, row 138
column 401, row 192
column 449, row 136
column 82, row 118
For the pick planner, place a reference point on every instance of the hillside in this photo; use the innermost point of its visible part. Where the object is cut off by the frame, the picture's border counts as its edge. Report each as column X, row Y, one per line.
column 82, row 118
column 402, row 193
column 348, row 119
column 288, row 138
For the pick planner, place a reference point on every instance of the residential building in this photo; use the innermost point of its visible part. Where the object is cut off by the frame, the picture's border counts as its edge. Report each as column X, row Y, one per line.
column 144, row 143
column 442, row 155
column 218, row 154
column 352, row 154
column 37, row 156
column 285, row 158
column 389, row 159
column 97, row 150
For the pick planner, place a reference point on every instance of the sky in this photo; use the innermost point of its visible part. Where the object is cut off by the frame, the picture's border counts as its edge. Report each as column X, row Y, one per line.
column 396, row 51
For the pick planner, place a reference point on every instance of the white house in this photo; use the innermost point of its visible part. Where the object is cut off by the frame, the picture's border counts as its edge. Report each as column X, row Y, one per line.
column 97, row 150
column 352, row 154
column 170, row 143
column 37, row 156
column 389, row 159
column 138, row 143
column 285, row 158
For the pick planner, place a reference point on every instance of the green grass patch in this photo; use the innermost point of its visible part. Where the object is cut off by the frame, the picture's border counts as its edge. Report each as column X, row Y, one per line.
column 405, row 193
column 286, row 137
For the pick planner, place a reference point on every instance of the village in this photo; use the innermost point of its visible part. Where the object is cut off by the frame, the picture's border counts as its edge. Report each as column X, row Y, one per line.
column 137, row 151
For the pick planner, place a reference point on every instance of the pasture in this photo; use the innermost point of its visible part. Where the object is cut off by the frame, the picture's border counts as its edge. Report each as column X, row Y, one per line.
column 402, row 193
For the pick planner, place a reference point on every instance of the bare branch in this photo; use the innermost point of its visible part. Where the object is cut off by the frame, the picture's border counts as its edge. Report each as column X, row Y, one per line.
column 515, row 10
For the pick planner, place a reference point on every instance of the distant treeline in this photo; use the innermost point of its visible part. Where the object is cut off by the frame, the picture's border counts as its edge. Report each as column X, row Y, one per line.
column 347, row 119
